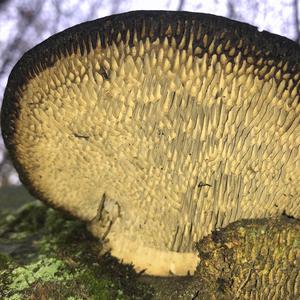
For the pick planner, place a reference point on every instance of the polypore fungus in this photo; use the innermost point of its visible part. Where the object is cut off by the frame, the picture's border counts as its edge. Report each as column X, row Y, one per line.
column 158, row 127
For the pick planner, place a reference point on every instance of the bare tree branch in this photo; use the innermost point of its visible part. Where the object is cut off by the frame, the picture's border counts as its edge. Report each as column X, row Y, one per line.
column 297, row 21
column 115, row 6
column 181, row 5
column 231, row 10
column 2, row 3
column 93, row 10
column 6, row 169
column 27, row 19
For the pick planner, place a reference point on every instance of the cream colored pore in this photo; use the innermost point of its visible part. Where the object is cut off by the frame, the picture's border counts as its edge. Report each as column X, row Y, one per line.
column 155, row 147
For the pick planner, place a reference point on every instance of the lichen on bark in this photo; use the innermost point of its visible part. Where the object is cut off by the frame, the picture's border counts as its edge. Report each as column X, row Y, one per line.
column 44, row 253
column 253, row 259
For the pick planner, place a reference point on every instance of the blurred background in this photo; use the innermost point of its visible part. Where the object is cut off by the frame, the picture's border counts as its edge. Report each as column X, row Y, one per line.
column 23, row 24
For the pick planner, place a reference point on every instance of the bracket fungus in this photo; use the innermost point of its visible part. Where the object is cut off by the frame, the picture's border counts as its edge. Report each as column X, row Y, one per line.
column 158, row 127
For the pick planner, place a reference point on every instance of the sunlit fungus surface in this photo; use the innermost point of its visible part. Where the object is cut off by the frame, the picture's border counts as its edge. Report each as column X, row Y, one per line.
column 156, row 128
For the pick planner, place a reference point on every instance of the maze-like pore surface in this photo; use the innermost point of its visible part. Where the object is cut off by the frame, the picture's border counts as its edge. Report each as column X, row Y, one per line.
column 159, row 128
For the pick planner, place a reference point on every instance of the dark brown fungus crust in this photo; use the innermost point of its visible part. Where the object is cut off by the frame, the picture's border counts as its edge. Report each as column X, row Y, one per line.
column 158, row 127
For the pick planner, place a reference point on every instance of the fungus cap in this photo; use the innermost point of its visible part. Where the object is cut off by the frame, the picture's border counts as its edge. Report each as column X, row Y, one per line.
column 156, row 128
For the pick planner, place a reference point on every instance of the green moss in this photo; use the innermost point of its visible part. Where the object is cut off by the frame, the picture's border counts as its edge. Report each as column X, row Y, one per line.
column 54, row 257
column 59, row 278
column 252, row 261
column 64, row 259
column 25, row 221
column 296, row 243
column 4, row 261
column 44, row 270
column 100, row 289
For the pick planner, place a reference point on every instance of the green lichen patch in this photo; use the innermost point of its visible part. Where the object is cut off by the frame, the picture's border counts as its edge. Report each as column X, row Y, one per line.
column 26, row 220
column 4, row 261
column 252, row 259
column 45, row 254
column 64, row 261
column 44, row 269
